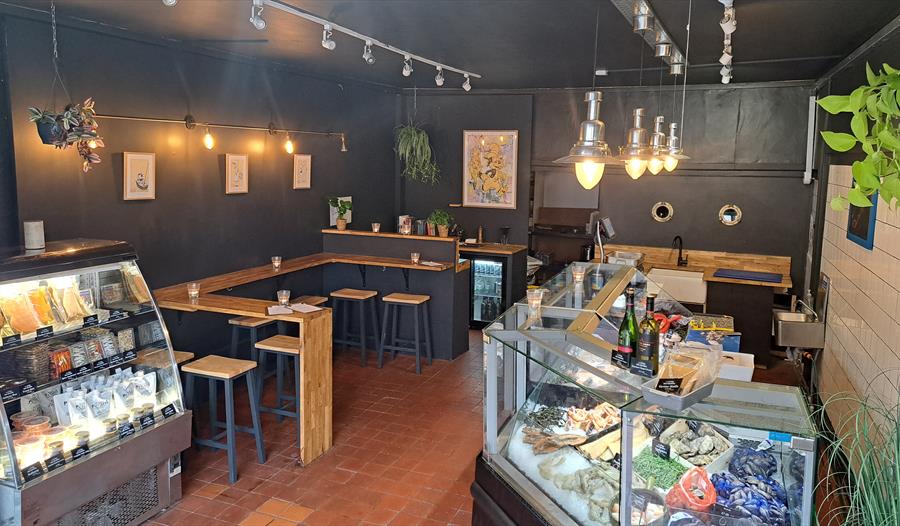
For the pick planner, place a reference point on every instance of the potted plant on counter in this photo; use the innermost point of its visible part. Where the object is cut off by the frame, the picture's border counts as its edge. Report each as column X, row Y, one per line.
column 75, row 126
column 342, row 208
column 442, row 220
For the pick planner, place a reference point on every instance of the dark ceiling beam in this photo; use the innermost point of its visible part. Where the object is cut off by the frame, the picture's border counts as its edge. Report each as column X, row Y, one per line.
column 882, row 33
column 532, row 91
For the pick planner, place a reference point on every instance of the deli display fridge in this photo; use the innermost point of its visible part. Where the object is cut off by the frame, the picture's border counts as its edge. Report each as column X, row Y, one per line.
column 488, row 290
column 92, row 419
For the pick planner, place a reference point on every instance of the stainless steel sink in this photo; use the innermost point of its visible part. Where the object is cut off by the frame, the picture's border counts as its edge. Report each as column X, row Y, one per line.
column 799, row 329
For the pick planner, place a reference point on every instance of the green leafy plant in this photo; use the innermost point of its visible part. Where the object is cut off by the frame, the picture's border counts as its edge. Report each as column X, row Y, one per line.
column 342, row 206
column 440, row 217
column 75, row 126
column 414, row 149
column 868, row 446
column 876, row 128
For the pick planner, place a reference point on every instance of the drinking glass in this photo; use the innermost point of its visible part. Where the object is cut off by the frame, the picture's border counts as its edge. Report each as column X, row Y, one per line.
column 414, row 257
column 276, row 263
column 376, row 227
column 578, row 273
column 193, row 290
column 284, row 297
column 534, row 300
column 405, row 229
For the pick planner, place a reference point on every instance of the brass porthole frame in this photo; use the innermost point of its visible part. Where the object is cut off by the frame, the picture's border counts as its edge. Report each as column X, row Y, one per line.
column 738, row 214
column 662, row 204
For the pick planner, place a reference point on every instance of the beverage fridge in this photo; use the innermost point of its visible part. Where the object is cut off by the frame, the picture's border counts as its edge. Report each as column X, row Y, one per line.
column 489, row 298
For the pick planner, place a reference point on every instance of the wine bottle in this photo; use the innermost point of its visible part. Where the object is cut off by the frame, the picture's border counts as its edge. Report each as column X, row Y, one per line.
column 628, row 334
column 646, row 362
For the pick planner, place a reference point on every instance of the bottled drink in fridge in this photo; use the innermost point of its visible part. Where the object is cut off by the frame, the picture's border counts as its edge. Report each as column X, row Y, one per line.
column 628, row 334
column 646, row 361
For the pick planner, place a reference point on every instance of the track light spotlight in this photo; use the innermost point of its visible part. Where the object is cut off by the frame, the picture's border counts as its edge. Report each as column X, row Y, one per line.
column 367, row 55
column 256, row 9
column 327, row 42
column 467, row 85
column 407, row 66
column 439, row 78
column 169, row 3
column 729, row 21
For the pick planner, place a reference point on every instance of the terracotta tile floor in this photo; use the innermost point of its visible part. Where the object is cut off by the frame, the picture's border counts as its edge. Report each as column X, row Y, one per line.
column 404, row 451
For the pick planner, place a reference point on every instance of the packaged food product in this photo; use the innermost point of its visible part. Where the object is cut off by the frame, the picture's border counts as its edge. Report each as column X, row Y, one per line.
column 137, row 287
column 28, row 449
column 147, row 409
column 53, row 448
column 82, row 438
column 55, row 433
column 109, row 425
column 60, row 362
column 40, row 302
column 36, row 425
column 78, row 410
column 19, row 314
column 693, row 491
column 17, row 419
column 688, row 367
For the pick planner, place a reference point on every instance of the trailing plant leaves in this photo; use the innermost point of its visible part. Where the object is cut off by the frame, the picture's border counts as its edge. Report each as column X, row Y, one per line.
column 889, row 139
column 860, row 125
column 858, row 198
column 870, row 75
column 872, row 105
column 835, row 104
column 857, row 98
column 839, row 203
column 414, row 149
column 889, row 70
column 864, row 175
column 837, row 141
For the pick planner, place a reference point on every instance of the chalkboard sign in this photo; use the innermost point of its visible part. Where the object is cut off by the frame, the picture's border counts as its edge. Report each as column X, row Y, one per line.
column 661, row 450
column 90, row 321
column 32, row 472
column 148, row 421
column 126, row 430
column 169, row 411
column 80, row 451
column 9, row 341
column 55, row 462
column 44, row 332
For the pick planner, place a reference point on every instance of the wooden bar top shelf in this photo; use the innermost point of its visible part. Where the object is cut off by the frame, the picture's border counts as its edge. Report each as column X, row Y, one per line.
column 369, row 233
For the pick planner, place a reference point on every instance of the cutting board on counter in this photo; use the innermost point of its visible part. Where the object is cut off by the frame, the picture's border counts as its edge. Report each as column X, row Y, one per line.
column 749, row 275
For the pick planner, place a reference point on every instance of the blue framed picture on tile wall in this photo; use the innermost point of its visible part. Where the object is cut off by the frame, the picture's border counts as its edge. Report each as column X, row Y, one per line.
column 861, row 223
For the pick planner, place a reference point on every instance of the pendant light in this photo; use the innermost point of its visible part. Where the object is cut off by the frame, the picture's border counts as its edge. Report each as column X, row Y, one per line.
column 674, row 152
column 208, row 141
column 634, row 153
column 289, row 145
column 657, row 146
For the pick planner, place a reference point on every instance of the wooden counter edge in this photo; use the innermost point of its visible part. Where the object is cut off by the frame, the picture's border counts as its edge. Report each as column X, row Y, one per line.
column 493, row 248
column 463, row 265
column 396, row 235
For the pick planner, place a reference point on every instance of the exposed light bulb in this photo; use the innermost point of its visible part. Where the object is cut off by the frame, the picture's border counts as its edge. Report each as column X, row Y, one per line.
column 327, row 42
column 208, row 141
column 670, row 163
column 92, row 144
column 439, row 78
column 655, row 165
column 256, row 9
column 367, row 55
column 169, row 3
column 589, row 173
column 467, row 85
column 289, row 145
column 344, row 143
column 635, row 167
column 407, row 66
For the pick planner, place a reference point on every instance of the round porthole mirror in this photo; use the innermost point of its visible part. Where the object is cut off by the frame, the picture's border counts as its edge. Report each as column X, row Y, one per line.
column 730, row 215
column 662, row 211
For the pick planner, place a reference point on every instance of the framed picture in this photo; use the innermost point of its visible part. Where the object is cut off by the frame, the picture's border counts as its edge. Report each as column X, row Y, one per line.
column 489, row 168
column 139, row 176
column 861, row 223
column 236, row 174
column 302, row 174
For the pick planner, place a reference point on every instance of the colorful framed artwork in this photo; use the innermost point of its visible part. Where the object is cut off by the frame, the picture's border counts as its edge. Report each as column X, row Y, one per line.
column 139, row 176
column 302, row 171
column 236, row 174
column 490, row 162
column 861, row 223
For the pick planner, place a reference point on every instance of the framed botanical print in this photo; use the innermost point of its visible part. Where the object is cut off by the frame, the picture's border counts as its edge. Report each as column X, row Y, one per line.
column 139, row 176
column 236, row 174
column 302, row 171
column 489, row 168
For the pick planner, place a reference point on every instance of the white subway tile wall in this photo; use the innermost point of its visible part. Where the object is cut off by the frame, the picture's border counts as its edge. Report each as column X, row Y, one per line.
column 862, row 335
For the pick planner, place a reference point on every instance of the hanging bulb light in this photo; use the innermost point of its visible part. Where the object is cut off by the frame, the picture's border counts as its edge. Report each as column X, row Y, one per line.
column 407, row 66
column 169, row 3
column 289, row 145
column 327, row 42
column 634, row 152
column 439, row 78
column 208, row 141
column 344, row 143
column 590, row 153
column 256, row 9
column 658, row 147
column 367, row 55
column 467, row 85
column 673, row 149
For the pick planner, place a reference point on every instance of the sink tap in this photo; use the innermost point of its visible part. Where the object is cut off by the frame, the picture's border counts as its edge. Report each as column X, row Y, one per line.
column 682, row 261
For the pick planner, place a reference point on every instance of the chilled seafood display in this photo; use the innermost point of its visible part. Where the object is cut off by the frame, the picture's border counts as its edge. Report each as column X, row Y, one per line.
column 544, row 442
column 748, row 462
column 755, row 496
column 698, row 447
column 599, row 418
column 597, row 484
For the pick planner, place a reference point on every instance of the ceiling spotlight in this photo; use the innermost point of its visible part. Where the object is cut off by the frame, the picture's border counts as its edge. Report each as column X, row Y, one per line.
column 327, row 42
column 725, row 71
column 407, row 66
column 256, row 9
column 439, row 78
column 729, row 21
column 289, row 145
column 169, row 3
column 467, row 85
column 726, row 57
column 367, row 55
column 601, row 72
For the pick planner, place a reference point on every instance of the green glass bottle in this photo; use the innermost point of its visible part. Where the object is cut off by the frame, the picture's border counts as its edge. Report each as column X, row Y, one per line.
column 646, row 362
column 628, row 334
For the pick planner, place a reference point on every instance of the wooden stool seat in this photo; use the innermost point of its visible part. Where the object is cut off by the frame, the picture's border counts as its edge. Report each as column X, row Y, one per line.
column 280, row 343
column 310, row 300
column 409, row 299
column 182, row 356
column 219, row 367
column 159, row 358
column 249, row 321
column 353, row 294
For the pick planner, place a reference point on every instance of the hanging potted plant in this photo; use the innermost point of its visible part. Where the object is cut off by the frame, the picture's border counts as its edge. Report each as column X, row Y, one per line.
column 342, row 208
column 75, row 126
column 442, row 220
column 414, row 150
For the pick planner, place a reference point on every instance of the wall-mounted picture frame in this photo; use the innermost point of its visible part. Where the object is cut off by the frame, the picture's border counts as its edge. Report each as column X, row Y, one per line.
column 139, row 176
column 237, row 173
column 302, row 171
column 490, row 164
column 861, row 223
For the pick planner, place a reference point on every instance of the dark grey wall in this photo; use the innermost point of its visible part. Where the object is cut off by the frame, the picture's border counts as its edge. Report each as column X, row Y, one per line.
column 445, row 117
column 9, row 210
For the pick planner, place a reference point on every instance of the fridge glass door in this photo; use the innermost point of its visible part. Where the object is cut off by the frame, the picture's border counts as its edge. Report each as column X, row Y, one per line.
column 487, row 290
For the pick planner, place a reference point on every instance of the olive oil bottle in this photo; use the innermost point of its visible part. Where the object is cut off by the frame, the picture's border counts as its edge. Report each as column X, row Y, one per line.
column 646, row 360
column 628, row 334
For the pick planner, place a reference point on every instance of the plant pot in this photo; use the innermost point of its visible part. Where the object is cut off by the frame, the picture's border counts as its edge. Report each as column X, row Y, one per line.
column 444, row 230
column 48, row 131
column 341, row 224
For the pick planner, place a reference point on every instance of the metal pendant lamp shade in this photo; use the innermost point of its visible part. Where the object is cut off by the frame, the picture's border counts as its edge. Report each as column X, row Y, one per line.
column 658, row 146
column 673, row 149
column 591, row 152
column 635, row 152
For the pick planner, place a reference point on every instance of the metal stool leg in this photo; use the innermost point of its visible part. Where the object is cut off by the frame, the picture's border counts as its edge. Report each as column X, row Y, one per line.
column 427, row 331
column 416, row 341
column 297, row 396
column 229, row 431
column 384, row 326
column 279, row 381
column 260, row 377
column 345, row 324
column 254, row 414
column 254, row 337
column 374, row 312
column 362, row 333
column 394, row 335
column 189, row 400
column 235, row 336
column 213, row 406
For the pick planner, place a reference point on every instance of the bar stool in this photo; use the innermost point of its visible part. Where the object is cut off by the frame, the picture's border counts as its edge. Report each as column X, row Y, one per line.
column 315, row 301
column 219, row 368
column 348, row 297
column 248, row 323
column 283, row 347
column 393, row 302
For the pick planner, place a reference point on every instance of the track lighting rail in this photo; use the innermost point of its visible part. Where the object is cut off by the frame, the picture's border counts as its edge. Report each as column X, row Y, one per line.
column 189, row 123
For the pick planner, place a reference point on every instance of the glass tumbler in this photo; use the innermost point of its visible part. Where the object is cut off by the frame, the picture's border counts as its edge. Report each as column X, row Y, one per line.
column 193, row 290
column 414, row 257
column 284, row 297
column 276, row 263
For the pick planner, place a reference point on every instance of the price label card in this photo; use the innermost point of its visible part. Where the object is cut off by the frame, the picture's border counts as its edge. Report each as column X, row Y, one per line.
column 80, row 452
column 642, row 368
column 29, row 388
column 44, row 332
column 117, row 314
column 55, row 462
column 148, row 421
column 669, row 385
column 661, row 450
column 10, row 393
column 101, row 364
column 84, row 370
column 616, row 461
column 621, row 359
column 116, row 359
column 65, row 376
column 9, row 341
column 129, row 355
column 126, row 430
column 169, row 411
column 90, row 321
column 32, row 472
column 694, row 426
column 639, row 501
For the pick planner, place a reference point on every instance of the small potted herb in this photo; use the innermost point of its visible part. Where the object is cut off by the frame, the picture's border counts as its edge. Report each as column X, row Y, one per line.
column 441, row 219
column 342, row 208
column 75, row 126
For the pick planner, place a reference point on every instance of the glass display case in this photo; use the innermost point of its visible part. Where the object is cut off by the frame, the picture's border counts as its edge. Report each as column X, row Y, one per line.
column 88, row 382
column 565, row 428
